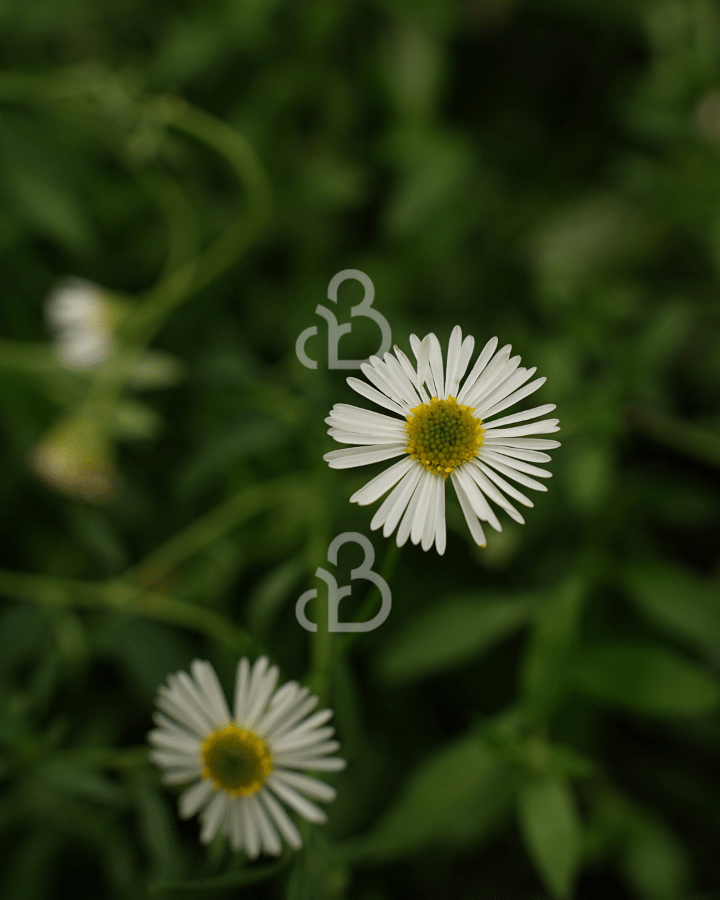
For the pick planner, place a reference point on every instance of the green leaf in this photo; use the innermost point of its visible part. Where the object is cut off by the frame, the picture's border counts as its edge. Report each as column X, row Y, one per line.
column 682, row 604
column 552, row 832
column 544, row 677
column 455, row 797
column 451, row 632
column 653, row 860
column 646, row 679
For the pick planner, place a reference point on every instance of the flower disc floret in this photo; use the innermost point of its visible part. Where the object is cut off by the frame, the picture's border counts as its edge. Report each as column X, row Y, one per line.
column 236, row 760
column 443, row 434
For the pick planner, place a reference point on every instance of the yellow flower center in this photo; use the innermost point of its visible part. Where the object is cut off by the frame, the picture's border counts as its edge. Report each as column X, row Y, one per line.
column 443, row 434
column 236, row 760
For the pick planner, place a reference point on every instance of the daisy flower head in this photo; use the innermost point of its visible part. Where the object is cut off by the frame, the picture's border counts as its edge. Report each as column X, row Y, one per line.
column 82, row 319
column 243, row 764
column 443, row 429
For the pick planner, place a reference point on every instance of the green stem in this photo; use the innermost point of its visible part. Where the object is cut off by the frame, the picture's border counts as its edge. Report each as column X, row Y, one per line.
column 125, row 598
column 210, row 527
column 369, row 604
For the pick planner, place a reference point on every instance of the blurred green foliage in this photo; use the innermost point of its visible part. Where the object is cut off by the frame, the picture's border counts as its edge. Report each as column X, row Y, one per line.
column 537, row 719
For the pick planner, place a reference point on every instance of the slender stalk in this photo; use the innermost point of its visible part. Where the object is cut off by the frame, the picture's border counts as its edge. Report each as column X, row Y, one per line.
column 676, row 434
column 125, row 598
column 204, row 531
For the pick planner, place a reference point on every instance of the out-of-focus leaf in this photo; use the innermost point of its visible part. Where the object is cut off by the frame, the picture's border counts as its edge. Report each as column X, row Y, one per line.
column 155, row 370
column 646, row 679
column 136, row 420
column 22, row 628
column 147, row 652
column 653, row 860
column 552, row 832
column 454, row 797
column 252, row 437
column 65, row 778
column 588, row 471
column 45, row 204
column 316, row 875
column 681, row 603
column 451, row 632
column 158, row 827
column 544, row 677
column 271, row 592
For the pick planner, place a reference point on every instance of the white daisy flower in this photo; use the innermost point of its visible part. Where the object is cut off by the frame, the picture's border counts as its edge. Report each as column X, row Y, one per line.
column 243, row 764
column 444, row 431
column 82, row 320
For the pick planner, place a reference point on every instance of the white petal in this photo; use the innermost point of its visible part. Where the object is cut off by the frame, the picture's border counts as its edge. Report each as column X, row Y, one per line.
column 378, row 437
column 491, row 374
column 504, row 485
column 363, row 456
column 282, row 701
column 269, row 840
column 208, row 681
column 235, row 829
column 382, row 483
column 376, row 374
column 362, row 419
column 262, row 684
column 513, row 398
column 547, row 426
column 488, row 488
column 194, row 798
column 509, row 459
column 430, row 526
column 403, row 385
column 250, row 831
column 213, row 816
column 313, row 787
column 440, row 533
column 436, row 368
column 170, row 741
column 452, row 359
column 319, row 764
column 480, row 506
column 510, row 471
column 503, row 390
column 174, row 704
column 169, row 758
column 473, row 524
column 478, row 368
column 181, row 775
column 406, row 524
column 370, row 393
column 493, row 380
column 425, row 495
column 394, row 504
column 515, row 453
column 186, row 688
column 242, row 677
column 523, row 415
column 298, row 740
column 299, row 803
column 298, row 711
column 280, row 817
column 490, row 440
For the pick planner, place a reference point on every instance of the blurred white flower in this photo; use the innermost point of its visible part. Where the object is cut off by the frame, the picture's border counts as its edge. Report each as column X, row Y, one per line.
column 443, row 432
column 81, row 318
column 243, row 764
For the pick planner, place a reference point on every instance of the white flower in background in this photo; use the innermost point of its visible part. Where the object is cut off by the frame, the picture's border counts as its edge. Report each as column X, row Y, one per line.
column 443, row 432
column 245, row 763
column 82, row 319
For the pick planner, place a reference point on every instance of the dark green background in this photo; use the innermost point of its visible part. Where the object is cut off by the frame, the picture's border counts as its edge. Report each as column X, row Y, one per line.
column 533, row 716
